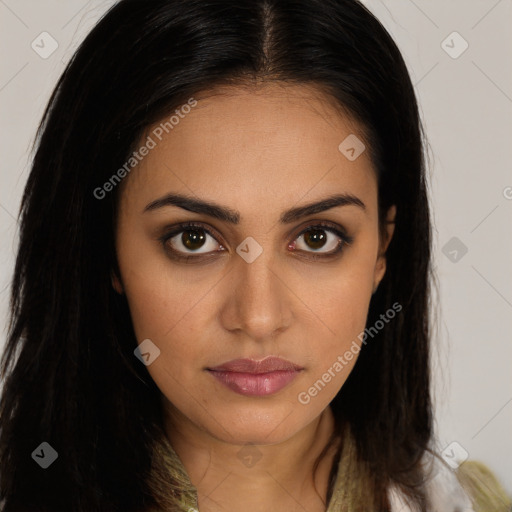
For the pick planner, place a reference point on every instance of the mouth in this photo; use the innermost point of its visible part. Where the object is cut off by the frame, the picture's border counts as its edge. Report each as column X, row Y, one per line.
column 256, row 378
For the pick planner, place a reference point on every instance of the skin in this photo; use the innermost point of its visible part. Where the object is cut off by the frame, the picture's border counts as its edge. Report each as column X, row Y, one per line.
column 259, row 151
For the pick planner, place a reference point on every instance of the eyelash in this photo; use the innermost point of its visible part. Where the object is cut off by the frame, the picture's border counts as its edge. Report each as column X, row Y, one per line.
column 325, row 226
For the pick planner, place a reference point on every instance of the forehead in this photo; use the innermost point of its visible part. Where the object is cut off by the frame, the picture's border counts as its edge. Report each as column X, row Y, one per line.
column 249, row 146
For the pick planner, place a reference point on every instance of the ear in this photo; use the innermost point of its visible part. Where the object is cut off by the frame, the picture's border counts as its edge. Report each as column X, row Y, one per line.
column 380, row 265
column 116, row 283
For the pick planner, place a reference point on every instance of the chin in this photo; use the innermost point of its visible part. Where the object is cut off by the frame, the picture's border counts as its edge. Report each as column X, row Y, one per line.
column 256, row 428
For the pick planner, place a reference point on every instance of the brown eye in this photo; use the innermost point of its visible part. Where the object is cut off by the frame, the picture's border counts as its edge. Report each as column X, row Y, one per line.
column 319, row 239
column 316, row 238
column 192, row 240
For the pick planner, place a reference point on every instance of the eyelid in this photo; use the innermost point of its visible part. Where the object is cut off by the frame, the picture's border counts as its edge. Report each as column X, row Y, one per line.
column 337, row 230
column 312, row 225
column 184, row 226
column 328, row 226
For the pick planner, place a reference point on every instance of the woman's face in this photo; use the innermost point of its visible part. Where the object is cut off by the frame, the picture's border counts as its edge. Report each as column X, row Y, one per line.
column 246, row 281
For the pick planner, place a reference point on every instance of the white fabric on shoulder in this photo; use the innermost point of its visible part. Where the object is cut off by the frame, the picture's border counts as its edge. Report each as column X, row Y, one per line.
column 443, row 490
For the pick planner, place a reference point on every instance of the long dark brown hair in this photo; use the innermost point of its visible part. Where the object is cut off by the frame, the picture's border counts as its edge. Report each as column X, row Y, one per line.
column 68, row 370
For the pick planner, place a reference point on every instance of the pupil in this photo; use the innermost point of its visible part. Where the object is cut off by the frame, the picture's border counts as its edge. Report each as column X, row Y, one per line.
column 193, row 238
column 315, row 238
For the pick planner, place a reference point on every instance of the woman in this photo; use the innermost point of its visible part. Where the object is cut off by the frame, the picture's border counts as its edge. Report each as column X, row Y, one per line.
column 222, row 287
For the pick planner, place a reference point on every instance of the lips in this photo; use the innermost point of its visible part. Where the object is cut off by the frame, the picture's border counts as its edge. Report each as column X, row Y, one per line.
column 269, row 364
column 256, row 378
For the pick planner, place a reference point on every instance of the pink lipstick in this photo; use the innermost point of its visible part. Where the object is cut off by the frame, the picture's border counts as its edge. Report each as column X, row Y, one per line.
column 256, row 378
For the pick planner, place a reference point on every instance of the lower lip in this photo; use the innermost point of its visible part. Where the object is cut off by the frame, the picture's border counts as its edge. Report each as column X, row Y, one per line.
column 255, row 384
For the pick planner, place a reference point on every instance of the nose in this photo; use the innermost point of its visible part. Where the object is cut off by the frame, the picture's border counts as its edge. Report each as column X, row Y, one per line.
column 257, row 301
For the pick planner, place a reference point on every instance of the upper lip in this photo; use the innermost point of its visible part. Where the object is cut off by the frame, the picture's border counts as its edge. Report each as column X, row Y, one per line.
column 269, row 364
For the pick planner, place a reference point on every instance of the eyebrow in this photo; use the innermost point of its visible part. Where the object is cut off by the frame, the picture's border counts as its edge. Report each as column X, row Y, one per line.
column 226, row 214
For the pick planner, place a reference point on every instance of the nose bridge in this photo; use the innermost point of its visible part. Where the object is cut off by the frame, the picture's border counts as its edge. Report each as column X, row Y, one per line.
column 258, row 299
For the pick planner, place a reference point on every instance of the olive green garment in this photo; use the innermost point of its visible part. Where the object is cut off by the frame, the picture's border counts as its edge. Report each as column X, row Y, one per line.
column 473, row 488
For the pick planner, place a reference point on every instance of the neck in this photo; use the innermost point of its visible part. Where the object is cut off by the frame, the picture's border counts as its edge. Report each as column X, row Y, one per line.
column 256, row 477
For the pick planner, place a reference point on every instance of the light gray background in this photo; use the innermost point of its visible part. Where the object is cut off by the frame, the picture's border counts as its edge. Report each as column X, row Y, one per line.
column 466, row 106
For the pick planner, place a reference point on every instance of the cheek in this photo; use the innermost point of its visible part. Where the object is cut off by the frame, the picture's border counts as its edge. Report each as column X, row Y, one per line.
column 341, row 299
column 175, row 322
column 173, row 308
column 173, row 314
column 160, row 293
column 332, row 358
column 341, row 309
column 344, row 304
